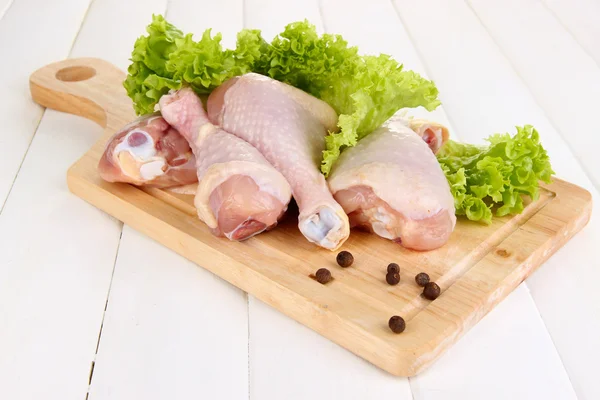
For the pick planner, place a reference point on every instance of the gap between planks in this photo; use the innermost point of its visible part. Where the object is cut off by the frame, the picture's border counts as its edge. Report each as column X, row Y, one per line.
column 4, row 11
column 558, row 354
column 533, row 96
column 85, row 15
column 428, row 72
column 321, row 14
column 166, row 13
column 449, row 116
column 323, row 21
column 5, row 200
column 2, row 14
column 567, row 143
column 112, row 275
column 566, row 28
column 93, row 363
column 422, row 59
column 545, row 114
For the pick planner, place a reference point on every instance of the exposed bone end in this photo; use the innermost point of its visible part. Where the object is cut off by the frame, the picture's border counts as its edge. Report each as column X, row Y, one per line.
column 433, row 133
column 327, row 227
column 152, row 169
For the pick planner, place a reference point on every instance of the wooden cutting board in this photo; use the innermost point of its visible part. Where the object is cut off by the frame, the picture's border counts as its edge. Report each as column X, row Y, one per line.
column 476, row 269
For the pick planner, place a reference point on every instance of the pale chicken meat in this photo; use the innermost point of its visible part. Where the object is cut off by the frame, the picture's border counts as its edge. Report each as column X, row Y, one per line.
column 433, row 133
column 392, row 184
column 148, row 152
column 288, row 126
column 239, row 193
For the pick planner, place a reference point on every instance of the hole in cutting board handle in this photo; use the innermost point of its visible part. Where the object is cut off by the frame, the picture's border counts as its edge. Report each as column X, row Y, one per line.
column 75, row 74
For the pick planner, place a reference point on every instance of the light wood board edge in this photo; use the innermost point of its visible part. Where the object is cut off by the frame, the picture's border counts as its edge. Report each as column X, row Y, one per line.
column 404, row 355
column 88, row 87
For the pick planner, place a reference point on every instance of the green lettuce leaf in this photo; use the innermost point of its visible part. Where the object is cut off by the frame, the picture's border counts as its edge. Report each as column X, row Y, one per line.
column 368, row 96
column 364, row 90
column 497, row 176
column 165, row 59
column 148, row 78
column 204, row 65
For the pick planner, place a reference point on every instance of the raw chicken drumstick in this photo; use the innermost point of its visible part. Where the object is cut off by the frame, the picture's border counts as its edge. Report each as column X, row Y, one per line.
column 392, row 184
column 148, row 151
column 140, row 151
column 288, row 126
column 239, row 193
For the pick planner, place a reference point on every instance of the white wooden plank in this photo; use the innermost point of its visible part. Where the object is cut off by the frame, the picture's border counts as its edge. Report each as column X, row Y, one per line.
column 196, row 17
column 387, row 36
column 171, row 329
column 478, row 86
column 475, row 369
column 55, row 270
column 288, row 360
column 580, row 18
column 388, row 31
column 484, row 94
column 565, row 293
column 30, row 37
column 272, row 16
column 110, row 34
column 564, row 79
column 4, row 6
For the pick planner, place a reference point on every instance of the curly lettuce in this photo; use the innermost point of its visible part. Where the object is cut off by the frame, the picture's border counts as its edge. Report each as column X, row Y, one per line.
column 495, row 177
column 364, row 90
column 167, row 59
column 148, row 78
column 376, row 88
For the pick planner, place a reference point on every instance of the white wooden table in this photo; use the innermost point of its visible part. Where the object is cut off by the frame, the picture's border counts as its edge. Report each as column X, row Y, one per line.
column 90, row 308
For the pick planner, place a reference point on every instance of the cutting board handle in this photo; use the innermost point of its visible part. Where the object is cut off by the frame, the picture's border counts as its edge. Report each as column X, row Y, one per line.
column 88, row 87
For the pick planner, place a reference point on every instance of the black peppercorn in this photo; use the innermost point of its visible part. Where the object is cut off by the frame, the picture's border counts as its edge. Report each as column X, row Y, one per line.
column 393, row 268
column 431, row 291
column 397, row 324
column 392, row 278
column 344, row 259
column 323, row 275
column 422, row 279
